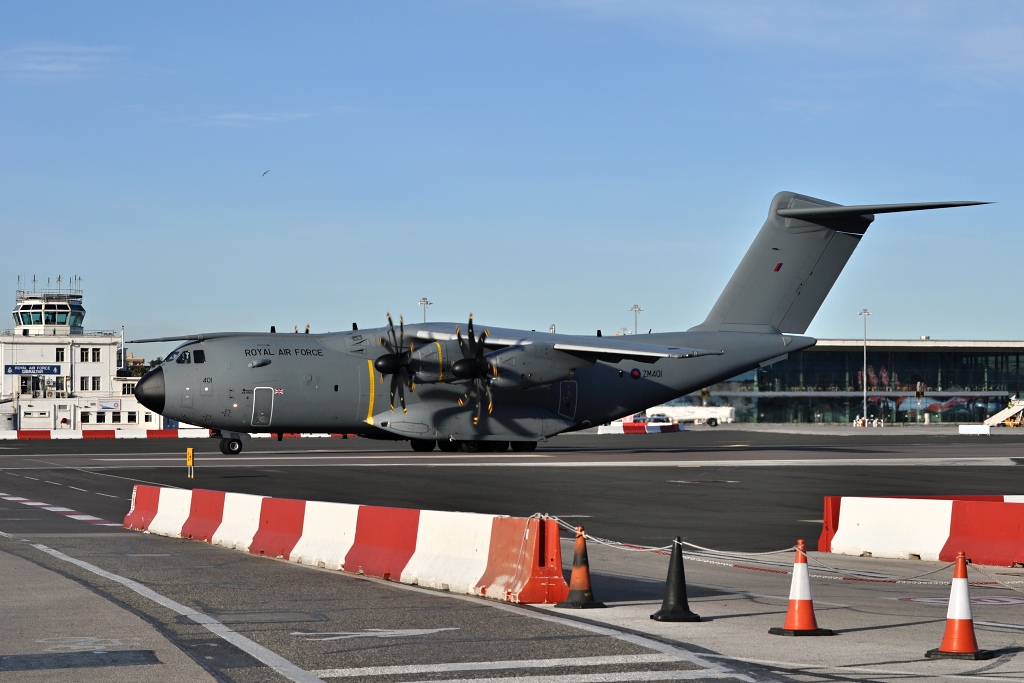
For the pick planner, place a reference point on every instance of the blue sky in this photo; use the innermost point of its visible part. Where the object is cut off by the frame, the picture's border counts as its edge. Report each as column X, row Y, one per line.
column 537, row 163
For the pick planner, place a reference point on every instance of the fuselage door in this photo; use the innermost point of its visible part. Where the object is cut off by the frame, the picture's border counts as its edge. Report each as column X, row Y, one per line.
column 567, row 399
column 262, row 406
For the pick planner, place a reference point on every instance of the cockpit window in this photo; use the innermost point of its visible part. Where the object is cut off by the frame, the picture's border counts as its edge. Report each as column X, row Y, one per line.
column 199, row 356
column 183, row 357
column 171, row 356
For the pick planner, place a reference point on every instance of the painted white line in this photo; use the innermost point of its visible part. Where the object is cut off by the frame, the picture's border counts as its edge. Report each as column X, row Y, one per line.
column 255, row 650
column 290, row 457
column 77, row 489
column 47, row 481
column 409, row 669
column 996, row 624
column 595, row 678
column 106, row 495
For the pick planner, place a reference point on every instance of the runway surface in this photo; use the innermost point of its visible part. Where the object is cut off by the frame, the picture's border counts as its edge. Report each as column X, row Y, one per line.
column 170, row 606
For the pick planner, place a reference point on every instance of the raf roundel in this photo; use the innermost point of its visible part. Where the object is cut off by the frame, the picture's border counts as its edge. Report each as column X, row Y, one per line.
column 635, row 373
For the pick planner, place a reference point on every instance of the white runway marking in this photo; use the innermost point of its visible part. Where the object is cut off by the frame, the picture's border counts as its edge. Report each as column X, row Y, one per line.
column 412, row 669
column 257, row 651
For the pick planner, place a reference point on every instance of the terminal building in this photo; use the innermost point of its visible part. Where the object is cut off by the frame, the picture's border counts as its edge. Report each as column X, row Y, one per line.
column 59, row 376
column 921, row 381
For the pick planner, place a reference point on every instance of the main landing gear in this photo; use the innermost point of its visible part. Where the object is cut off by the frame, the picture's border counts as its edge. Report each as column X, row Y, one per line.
column 472, row 446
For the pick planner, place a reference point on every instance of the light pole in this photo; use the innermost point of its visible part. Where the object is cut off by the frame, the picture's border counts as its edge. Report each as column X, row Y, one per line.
column 424, row 302
column 865, row 312
column 636, row 311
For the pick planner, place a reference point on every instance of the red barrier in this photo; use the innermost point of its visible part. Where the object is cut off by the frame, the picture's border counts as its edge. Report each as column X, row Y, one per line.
column 525, row 562
column 98, row 434
column 830, row 524
column 31, row 435
column 988, row 533
column 280, row 527
column 161, row 433
column 205, row 515
column 385, row 540
column 145, row 500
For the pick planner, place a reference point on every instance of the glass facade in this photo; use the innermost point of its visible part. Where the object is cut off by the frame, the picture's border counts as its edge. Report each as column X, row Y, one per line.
column 907, row 381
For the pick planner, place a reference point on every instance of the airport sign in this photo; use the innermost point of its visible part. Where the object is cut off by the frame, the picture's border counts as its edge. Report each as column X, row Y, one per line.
column 34, row 369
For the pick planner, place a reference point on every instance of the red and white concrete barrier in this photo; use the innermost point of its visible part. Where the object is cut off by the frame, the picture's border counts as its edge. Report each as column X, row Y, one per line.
column 506, row 558
column 189, row 433
column 989, row 529
column 638, row 428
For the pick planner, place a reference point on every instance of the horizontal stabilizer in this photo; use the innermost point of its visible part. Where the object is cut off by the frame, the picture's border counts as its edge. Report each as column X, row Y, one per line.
column 809, row 214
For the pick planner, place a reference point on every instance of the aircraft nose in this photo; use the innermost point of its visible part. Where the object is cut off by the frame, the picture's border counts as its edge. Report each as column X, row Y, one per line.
column 150, row 390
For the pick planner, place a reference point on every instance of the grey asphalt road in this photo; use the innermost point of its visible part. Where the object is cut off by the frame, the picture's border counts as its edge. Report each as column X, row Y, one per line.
column 733, row 490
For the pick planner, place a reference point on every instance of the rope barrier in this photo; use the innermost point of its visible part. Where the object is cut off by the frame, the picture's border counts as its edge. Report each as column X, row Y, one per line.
column 716, row 557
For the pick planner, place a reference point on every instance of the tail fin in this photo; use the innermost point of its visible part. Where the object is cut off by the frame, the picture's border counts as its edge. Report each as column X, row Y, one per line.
column 794, row 261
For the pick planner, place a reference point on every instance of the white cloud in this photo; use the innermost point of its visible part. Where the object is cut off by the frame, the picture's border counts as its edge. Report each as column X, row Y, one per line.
column 55, row 62
column 239, row 119
column 941, row 40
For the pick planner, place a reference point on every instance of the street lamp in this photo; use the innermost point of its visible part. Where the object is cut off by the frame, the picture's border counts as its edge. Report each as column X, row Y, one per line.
column 636, row 311
column 424, row 302
column 865, row 312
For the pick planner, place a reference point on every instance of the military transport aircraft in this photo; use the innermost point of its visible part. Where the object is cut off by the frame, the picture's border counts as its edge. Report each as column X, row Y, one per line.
column 439, row 385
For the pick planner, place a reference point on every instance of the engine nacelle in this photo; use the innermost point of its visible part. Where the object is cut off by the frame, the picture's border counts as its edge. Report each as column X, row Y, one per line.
column 532, row 365
column 432, row 362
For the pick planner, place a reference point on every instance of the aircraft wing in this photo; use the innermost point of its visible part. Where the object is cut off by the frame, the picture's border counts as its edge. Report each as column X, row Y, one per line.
column 194, row 337
column 600, row 348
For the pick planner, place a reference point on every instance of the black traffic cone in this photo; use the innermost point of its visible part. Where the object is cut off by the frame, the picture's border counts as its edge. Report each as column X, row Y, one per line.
column 675, row 607
column 580, row 594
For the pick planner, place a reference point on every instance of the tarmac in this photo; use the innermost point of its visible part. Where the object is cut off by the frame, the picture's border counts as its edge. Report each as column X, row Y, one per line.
column 55, row 629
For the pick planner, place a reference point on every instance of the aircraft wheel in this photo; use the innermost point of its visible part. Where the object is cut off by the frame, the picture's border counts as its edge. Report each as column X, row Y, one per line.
column 230, row 446
column 712, row 422
column 469, row 446
column 423, row 445
column 524, row 446
column 497, row 446
column 447, row 445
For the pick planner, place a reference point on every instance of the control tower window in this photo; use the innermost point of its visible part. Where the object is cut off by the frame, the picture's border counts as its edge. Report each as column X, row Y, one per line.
column 37, row 318
column 50, row 317
column 62, row 317
column 26, row 318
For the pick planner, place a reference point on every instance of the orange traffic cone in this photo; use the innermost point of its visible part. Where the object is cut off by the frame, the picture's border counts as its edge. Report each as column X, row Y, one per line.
column 800, row 619
column 958, row 641
column 580, row 594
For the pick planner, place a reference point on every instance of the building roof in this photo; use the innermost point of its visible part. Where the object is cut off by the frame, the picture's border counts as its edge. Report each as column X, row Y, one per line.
column 922, row 344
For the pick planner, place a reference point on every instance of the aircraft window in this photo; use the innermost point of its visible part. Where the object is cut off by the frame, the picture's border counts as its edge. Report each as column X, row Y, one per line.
column 183, row 357
column 171, row 356
column 199, row 356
